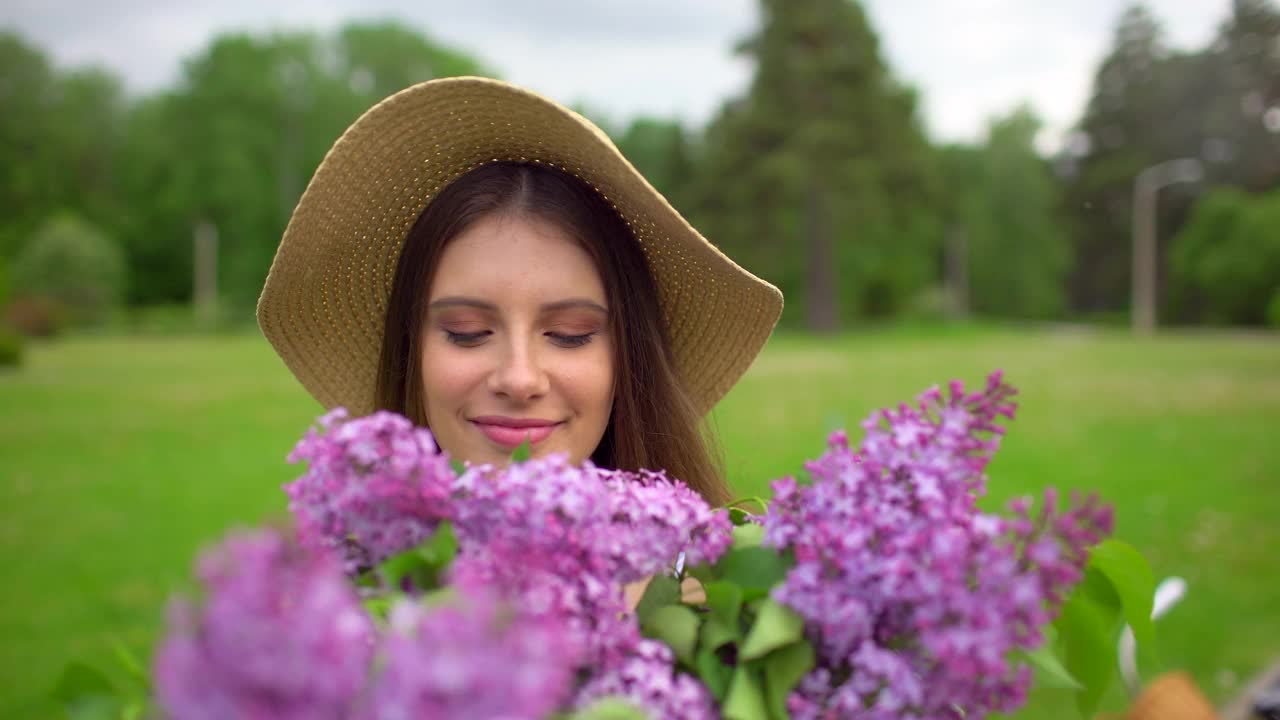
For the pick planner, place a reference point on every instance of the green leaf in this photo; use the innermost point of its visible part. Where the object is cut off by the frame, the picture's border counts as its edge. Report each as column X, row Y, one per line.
column 747, row 536
column 441, row 548
column 610, row 708
column 744, row 701
column 1087, row 630
column 132, row 666
column 457, row 466
column 661, row 591
column 521, row 453
column 704, row 573
column 713, row 672
column 775, row 626
column 715, row 633
column 1098, row 589
column 96, row 707
column 756, row 499
column 1050, row 672
column 724, row 600
column 423, row 565
column 1132, row 580
column 783, row 670
column 80, row 680
column 86, row 694
column 677, row 626
column 754, row 569
column 378, row 606
column 738, row 515
column 411, row 564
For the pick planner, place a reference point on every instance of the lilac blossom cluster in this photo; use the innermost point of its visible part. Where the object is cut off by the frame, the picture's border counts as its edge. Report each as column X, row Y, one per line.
column 544, row 551
column 472, row 657
column 913, row 597
column 374, row 486
column 566, row 539
column 281, row 635
column 646, row 679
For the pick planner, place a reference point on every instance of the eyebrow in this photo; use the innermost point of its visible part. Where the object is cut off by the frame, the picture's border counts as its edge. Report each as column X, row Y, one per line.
column 460, row 301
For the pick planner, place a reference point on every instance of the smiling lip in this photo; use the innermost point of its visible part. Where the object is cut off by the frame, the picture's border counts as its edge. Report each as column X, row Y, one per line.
column 510, row 432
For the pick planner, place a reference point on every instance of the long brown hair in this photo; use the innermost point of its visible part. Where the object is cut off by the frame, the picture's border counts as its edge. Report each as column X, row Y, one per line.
column 654, row 424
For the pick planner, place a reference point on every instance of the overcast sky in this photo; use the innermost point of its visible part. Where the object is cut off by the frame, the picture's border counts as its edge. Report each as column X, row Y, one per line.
column 971, row 59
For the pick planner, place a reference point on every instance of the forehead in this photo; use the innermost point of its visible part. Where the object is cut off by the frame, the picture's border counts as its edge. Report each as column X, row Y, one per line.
column 511, row 257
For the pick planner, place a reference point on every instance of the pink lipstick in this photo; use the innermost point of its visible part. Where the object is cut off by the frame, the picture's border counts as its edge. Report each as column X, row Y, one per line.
column 510, row 432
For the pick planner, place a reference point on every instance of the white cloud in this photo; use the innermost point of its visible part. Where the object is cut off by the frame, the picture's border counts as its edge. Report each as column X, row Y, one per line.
column 971, row 60
column 979, row 59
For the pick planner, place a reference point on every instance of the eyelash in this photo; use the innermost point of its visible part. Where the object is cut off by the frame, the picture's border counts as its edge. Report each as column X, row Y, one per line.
column 572, row 340
column 472, row 339
column 465, row 339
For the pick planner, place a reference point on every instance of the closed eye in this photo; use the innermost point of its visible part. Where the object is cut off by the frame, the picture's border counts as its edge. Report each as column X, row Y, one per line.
column 467, row 339
column 571, row 341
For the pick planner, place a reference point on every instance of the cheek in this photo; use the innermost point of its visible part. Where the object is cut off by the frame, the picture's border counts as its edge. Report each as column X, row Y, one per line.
column 446, row 377
column 593, row 381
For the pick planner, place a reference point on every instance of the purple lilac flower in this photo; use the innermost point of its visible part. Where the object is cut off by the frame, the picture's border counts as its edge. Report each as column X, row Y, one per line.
column 472, row 657
column 647, row 680
column 280, row 635
column 565, row 540
column 375, row 486
column 644, row 519
column 912, row 596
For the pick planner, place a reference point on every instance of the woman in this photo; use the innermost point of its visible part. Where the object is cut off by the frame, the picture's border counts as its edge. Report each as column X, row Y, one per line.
column 485, row 262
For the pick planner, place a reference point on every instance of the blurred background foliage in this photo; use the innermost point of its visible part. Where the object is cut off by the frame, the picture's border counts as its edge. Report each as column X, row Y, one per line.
column 820, row 177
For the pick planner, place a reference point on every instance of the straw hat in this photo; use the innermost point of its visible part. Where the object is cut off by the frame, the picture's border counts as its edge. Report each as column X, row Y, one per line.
column 325, row 299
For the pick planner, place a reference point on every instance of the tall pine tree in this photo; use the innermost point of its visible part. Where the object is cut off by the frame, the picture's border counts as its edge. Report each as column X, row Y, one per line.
column 818, row 179
column 1245, row 114
column 1126, row 126
column 1220, row 105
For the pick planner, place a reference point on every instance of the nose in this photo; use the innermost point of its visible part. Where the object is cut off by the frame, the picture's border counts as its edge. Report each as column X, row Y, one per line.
column 519, row 375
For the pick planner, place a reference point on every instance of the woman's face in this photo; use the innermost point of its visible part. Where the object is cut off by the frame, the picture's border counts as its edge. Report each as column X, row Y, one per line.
column 516, row 344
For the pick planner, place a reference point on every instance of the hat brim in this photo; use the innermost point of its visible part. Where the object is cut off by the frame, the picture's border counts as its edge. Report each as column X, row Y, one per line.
column 325, row 299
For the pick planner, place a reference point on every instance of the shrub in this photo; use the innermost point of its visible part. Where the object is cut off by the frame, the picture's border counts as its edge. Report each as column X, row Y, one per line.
column 36, row 316
column 10, row 348
column 73, row 265
column 4, row 281
column 1227, row 256
column 932, row 304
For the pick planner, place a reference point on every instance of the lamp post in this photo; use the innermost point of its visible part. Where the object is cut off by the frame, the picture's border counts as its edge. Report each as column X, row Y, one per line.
column 1149, row 182
column 205, row 286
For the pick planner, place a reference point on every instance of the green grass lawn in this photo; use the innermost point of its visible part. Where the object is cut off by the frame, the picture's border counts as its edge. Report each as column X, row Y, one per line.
column 119, row 458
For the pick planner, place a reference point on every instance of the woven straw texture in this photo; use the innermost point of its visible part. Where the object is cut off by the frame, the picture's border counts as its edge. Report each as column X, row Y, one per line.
column 324, row 302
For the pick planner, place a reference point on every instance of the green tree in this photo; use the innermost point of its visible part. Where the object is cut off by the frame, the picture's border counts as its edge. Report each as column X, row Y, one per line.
column 1006, row 207
column 1220, row 104
column 380, row 58
column 820, row 178
column 28, row 174
column 236, row 141
column 1126, row 128
column 59, row 138
column 660, row 150
column 1242, row 114
column 1225, row 262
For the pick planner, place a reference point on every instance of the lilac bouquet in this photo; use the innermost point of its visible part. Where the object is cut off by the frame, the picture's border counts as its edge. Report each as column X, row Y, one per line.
column 914, row 599
column 415, row 587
